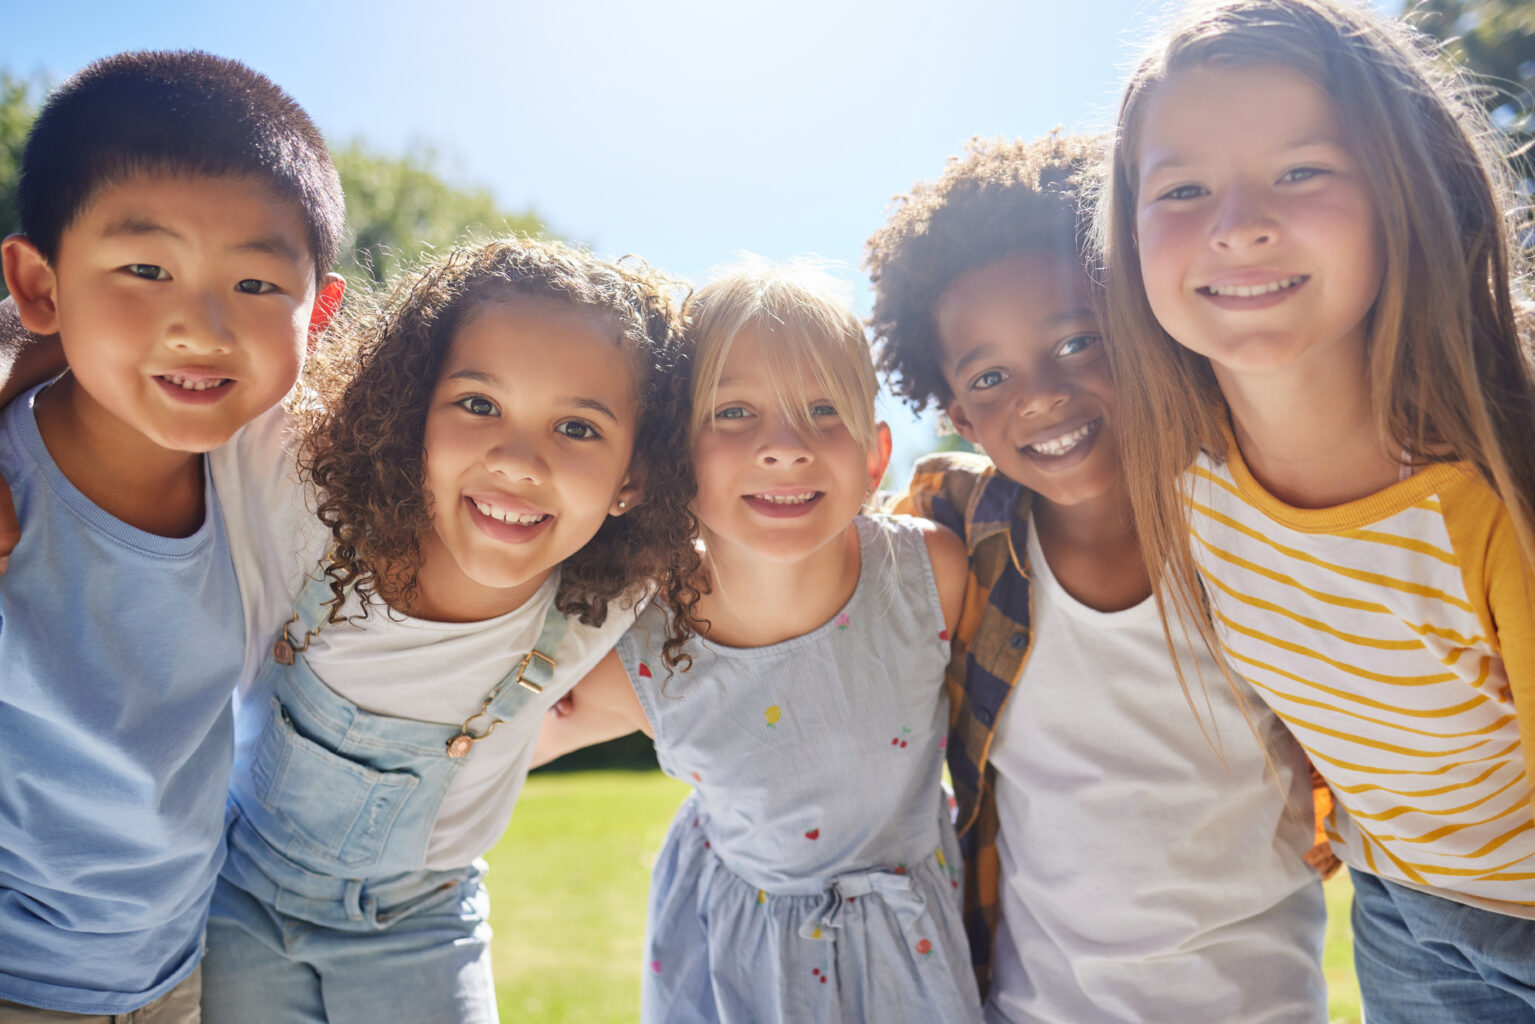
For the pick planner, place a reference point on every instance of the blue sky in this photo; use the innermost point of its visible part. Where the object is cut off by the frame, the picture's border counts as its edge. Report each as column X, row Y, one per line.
column 681, row 130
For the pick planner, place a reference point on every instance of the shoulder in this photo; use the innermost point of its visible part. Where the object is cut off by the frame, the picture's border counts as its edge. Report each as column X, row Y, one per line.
column 945, row 487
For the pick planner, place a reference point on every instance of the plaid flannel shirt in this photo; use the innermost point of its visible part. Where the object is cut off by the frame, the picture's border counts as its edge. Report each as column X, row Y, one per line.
column 990, row 513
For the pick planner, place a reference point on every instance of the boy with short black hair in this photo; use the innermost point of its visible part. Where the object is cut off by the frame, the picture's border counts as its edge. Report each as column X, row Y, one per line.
column 1125, row 860
column 179, row 216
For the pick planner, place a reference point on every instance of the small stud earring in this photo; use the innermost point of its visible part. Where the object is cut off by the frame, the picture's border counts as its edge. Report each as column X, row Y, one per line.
column 622, row 505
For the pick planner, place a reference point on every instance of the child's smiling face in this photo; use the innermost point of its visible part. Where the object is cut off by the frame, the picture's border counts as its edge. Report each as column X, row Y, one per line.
column 528, row 440
column 1258, row 237
column 764, row 485
column 183, row 303
column 1023, row 354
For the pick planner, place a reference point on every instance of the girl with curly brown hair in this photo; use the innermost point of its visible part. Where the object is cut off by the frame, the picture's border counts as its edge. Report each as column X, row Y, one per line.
column 485, row 485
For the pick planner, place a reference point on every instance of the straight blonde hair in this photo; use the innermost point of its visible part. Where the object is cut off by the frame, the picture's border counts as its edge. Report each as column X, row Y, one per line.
column 801, row 317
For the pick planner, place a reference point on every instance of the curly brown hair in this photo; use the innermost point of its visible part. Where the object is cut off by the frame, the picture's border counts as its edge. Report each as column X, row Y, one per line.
column 1000, row 198
column 363, row 440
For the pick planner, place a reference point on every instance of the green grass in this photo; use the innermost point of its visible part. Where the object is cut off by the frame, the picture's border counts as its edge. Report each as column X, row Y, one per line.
column 568, row 885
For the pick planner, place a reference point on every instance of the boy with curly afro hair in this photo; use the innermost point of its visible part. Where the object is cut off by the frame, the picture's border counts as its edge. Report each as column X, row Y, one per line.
column 1127, row 857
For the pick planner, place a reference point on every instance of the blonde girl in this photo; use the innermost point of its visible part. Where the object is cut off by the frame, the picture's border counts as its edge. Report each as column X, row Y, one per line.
column 813, row 874
column 1329, row 411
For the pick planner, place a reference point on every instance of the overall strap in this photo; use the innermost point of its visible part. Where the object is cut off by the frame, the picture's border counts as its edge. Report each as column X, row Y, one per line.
column 533, row 672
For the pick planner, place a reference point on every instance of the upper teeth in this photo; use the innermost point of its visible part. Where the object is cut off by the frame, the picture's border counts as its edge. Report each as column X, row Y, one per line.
column 1247, row 291
column 520, row 518
column 786, row 499
column 201, row 384
column 1066, row 442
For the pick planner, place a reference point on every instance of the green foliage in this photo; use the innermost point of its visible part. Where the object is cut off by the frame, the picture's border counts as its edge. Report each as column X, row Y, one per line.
column 398, row 207
column 17, row 109
column 1495, row 40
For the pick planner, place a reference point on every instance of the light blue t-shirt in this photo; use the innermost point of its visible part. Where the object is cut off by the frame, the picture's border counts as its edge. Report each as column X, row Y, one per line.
column 119, row 652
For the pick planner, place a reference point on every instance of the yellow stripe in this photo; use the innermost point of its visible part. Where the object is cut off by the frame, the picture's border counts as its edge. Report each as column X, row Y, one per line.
column 1397, row 541
column 1430, row 733
column 1389, row 748
column 1368, row 769
column 1397, row 812
column 1369, row 787
column 1316, row 624
column 1341, row 666
column 1372, row 578
column 1455, row 709
column 1436, row 869
column 1448, row 830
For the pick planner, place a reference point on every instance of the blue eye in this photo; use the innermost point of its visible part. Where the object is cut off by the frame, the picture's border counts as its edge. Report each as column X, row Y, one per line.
column 477, row 405
column 251, row 286
column 987, row 380
column 1299, row 174
column 823, row 409
column 577, row 430
column 731, row 412
column 1076, row 344
column 1183, row 192
column 148, row 271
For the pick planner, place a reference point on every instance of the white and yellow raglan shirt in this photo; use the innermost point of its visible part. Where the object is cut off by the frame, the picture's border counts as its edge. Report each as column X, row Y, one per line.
column 1395, row 636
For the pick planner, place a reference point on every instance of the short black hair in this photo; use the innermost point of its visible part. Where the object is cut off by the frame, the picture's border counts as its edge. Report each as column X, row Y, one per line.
column 1000, row 198
column 174, row 112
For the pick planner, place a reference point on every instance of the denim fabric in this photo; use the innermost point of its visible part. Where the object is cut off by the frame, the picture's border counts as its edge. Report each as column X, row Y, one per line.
column 325, row 910
column 1423, row 959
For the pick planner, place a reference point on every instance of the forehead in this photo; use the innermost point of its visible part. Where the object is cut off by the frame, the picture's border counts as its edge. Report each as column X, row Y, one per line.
column 555, row 344
column 224, row 211
column 1219, row 113
column 1022, row 300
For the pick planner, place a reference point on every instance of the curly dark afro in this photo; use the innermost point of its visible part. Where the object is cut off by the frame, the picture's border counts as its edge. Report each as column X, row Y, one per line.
column 998, row 199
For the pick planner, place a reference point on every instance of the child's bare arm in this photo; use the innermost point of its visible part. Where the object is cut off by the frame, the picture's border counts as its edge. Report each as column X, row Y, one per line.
column 601, row 707
column 25, row 358
column 951, row 571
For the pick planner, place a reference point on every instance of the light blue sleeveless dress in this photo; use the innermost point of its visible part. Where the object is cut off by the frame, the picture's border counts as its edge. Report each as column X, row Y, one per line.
column 813, row 873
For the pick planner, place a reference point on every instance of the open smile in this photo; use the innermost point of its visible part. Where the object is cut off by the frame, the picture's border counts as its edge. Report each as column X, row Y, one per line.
column 1065, row 448
column 1252, row 296
column 783, row 504
column 511, row 525
column 194, row 388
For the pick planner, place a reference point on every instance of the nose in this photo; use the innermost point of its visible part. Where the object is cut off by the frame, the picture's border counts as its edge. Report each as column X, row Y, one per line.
column 1043, row 391
column 201, row 327
column 517, row 457
column 1243, row 220
column 782, row 445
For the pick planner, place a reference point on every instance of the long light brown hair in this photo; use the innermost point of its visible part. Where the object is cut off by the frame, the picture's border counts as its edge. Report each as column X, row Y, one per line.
column 1449, row 374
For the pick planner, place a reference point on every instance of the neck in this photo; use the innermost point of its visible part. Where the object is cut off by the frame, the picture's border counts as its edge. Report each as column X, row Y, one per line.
column 1093, row 550
column 753, row 601
column 121, row 471
column 1309, row 437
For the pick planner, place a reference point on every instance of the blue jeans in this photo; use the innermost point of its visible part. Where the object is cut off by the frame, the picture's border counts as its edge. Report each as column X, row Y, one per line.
column 1424, row 959
column 265, row 967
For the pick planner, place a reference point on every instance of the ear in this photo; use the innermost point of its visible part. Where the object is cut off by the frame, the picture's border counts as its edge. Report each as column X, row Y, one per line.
column 32, row 284
column 879, row 455
column 326, row 303
column 627, row 497
column 955, row 411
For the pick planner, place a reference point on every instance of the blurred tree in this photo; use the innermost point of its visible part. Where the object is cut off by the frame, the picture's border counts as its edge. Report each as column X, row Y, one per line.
column 1495, row 40
column 399, row 206
column 17, row 108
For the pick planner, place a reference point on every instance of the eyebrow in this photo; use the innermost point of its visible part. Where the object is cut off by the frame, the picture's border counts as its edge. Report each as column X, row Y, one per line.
column 133, row 226
column 1177, row 161
column 490, row 380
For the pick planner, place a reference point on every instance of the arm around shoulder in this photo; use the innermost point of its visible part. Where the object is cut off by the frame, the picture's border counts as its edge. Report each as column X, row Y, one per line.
column 602, row 707
column 951, row 570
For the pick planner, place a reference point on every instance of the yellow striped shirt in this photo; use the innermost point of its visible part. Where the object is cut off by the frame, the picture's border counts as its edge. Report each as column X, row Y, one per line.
column 1394, row 636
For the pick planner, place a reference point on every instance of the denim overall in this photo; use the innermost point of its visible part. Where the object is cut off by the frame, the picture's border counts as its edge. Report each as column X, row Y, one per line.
column 325, row 911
